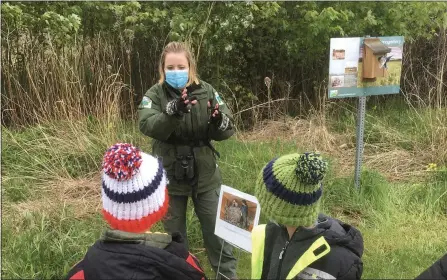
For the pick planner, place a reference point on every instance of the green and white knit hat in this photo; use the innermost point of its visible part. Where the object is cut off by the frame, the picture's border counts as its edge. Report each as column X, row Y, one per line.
column 289, row 189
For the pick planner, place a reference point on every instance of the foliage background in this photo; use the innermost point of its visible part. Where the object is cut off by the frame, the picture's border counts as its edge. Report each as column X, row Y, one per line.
column 46, row 45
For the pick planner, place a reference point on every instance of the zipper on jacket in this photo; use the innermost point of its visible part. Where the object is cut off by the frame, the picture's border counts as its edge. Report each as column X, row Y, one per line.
column 283, row 252
column 191, row 132
column 281, row 255
column 193, row 136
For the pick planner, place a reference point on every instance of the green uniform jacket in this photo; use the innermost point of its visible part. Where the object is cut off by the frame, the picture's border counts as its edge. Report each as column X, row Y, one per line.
column 191, row 127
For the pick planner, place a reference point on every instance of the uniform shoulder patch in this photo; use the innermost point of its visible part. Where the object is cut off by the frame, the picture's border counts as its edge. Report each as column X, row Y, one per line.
column 218, row 98
column 146, row 102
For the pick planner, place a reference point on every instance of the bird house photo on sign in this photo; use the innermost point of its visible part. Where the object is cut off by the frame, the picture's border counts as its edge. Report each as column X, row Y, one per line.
column 380, row 62
column 375, row 59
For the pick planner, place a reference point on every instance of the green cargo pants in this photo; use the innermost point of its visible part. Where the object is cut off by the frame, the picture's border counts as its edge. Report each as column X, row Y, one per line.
column 205, row 206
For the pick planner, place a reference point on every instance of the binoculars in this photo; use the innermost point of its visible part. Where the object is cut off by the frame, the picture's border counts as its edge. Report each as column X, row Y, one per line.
column 184, row 167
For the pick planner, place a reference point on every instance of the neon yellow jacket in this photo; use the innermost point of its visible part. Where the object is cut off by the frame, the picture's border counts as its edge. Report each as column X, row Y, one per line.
column 332, row 250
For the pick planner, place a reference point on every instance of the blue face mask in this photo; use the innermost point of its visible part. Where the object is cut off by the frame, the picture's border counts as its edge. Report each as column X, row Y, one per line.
column 177, row 78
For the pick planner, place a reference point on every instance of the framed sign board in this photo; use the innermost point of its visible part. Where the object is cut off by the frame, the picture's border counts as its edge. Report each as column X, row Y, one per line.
column 237, row 214
column 365, row 66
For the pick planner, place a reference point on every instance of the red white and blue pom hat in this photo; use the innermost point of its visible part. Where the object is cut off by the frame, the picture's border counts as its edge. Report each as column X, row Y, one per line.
column 134, row 192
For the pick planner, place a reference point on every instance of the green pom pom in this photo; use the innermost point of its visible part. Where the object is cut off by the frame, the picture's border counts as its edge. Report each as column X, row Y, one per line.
column 311, row 168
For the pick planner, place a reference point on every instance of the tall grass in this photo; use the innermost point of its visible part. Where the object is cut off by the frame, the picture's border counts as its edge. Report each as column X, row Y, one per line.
column 63, row 149
column 45, row 84
column 397, row 123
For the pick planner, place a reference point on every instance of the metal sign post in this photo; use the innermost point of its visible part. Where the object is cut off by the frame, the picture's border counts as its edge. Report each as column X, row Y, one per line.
column 218, row 273
column 361, row 110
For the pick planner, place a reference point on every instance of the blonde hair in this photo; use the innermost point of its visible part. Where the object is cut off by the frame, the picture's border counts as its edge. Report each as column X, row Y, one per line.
column 178, row 47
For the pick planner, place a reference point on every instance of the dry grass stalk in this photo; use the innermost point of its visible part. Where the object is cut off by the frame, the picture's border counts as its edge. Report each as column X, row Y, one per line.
column 46, row 84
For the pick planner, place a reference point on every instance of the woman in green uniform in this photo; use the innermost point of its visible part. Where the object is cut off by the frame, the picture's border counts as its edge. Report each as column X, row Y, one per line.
column 182, row 114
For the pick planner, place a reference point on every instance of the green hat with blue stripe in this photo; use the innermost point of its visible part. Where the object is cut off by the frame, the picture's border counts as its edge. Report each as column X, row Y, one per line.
column 289, row 189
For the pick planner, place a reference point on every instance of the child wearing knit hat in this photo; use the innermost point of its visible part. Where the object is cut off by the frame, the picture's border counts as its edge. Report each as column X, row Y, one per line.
column 299, row 242
column 135, row 197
